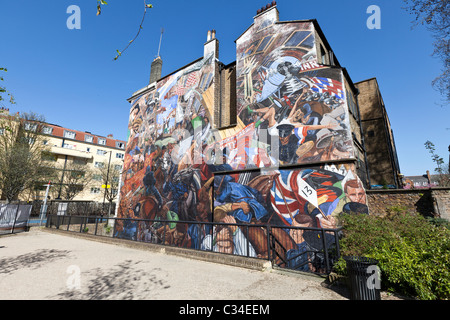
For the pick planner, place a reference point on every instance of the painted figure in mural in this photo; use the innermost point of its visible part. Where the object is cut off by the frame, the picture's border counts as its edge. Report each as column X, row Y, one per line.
column 228, row 239
column 355, row 198
column 242, row 202
column 150, row 189
column 299, row 257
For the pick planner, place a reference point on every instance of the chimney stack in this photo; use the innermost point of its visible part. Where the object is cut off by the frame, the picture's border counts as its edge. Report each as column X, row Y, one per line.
column 155, row 70
column 268, row 6
column 212, row 44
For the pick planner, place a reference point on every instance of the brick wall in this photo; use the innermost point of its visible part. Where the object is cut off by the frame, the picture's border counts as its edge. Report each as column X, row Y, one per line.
column 434, row 202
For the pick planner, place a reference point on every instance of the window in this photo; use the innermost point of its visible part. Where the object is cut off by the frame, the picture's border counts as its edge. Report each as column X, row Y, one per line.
column 69, row 134
column 95, row 190
column 30, row 126
column 97, row 177
column 119, row 155
column 301, row 38
column 118, row 167
column 68, row 146
column 264, row 44
column 88, row 149
column 79, row 161
column 101, row 152
column 99, row 164
column 352, row 104
column 323, row 55
column 2, row 131
column 102, row 141
column 89, row 138
column 371, row 133
column 120, row 145
column 47, row 130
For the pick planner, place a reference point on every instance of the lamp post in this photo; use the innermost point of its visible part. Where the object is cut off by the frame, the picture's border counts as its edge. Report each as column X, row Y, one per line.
column 106, row 183
column 44, row 207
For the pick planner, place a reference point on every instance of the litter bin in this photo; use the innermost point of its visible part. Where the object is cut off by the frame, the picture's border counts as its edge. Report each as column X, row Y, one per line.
column 364, row 279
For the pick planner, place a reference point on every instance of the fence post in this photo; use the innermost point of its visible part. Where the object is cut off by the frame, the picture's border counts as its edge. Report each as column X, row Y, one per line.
column 68, row 224
column 164, row 234
column 212, row 237
column 81, row 223
column 96, row 224
column 325, row 250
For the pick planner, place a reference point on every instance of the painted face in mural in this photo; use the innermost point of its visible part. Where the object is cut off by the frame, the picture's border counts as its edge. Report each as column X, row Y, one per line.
column 225, row 241
column 355, row 192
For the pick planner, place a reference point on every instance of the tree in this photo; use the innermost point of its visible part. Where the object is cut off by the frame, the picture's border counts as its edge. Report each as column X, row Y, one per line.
column 75, row 177
column 5, row 95
column 442, row 169
column 100, row 3
column 23, row 166
column 110, row 173
column 434, row 14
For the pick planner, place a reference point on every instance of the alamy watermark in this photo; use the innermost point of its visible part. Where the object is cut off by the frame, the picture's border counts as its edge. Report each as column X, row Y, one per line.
column 374, row 280
column 74, row 20
column 374, row 21
column 73, row 282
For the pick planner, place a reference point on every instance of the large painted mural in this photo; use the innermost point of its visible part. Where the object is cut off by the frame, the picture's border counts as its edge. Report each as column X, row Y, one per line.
column 283, row 93
column 291, row 112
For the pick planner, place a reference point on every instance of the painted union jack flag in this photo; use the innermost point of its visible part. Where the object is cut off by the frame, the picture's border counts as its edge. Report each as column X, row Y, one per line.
column 321, row 85
column 293, row 190
column 285, row 197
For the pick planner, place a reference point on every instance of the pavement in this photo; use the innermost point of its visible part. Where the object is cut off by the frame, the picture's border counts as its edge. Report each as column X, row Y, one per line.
column 43, row 264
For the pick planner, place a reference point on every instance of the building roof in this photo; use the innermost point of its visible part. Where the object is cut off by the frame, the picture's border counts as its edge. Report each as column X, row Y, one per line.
column 58, row 131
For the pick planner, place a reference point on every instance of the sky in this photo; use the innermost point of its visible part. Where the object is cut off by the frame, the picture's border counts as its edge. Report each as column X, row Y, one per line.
column 70, row 77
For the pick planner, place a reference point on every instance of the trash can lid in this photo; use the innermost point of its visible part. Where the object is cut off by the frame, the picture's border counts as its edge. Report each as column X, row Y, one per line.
column 360, row 260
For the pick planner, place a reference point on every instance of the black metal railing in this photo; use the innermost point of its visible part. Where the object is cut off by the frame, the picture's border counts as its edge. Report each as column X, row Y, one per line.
column 314, row 250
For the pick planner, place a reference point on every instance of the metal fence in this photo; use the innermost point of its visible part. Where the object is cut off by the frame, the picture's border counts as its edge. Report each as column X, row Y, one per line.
column 74, row 208
column 317, row 253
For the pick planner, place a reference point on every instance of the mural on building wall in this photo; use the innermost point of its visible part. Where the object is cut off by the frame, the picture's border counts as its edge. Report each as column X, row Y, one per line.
column 165, row 127
column 290, row 111
column 283, row 92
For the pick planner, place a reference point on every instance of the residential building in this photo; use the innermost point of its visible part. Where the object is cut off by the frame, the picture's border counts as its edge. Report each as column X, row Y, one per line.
column 69, row 151
column 69, row 146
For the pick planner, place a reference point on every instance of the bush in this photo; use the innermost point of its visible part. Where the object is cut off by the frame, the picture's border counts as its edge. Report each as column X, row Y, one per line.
column 413, row 253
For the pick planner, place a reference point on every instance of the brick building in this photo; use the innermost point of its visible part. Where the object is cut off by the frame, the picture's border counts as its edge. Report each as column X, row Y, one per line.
column 382, row 160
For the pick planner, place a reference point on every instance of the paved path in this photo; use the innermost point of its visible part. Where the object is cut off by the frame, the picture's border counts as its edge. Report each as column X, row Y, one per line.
column 43, row 265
